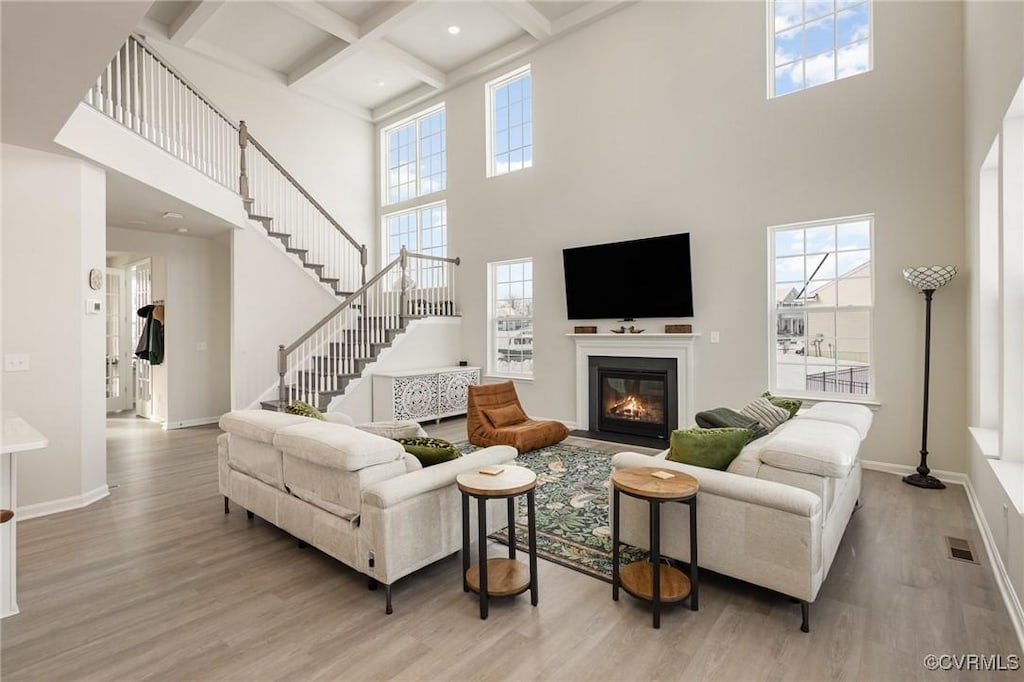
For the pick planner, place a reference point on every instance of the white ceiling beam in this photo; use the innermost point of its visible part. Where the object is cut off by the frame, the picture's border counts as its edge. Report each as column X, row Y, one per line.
column 492, row 60
column 315, row 14
column 415, row 67
column 191, row 20
column 527, row 16
column 389, row 18
column 589, row 12
column 321, row 61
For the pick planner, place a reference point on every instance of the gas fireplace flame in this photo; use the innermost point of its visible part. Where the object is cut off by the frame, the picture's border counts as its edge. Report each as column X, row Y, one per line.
column 629, row 408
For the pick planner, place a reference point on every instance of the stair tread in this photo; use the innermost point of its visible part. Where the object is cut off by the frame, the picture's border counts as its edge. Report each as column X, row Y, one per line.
column 279, row 235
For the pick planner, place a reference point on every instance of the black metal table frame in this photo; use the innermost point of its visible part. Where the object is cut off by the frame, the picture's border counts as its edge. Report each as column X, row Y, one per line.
column 655, row 545
column 482, row 540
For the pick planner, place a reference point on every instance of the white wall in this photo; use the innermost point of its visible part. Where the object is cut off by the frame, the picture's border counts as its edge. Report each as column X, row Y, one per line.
column 993, row 69
column 193, row 277
column 53, row 200
column 654, row 120
column 331, row 153
column 273, row 302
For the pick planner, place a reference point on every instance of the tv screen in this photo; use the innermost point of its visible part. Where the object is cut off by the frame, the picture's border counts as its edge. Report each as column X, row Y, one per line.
column 639, row 278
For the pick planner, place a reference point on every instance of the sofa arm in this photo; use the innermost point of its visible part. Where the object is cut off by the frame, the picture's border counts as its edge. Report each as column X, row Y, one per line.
column 768, row 494
column 395, row 490
column 338, row 418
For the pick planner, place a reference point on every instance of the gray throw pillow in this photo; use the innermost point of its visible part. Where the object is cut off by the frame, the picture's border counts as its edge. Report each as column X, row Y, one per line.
column 724, row 418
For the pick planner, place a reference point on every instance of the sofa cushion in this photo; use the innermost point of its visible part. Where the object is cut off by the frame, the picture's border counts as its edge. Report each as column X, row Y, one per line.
column 791, row 405
column 723, row 417
column 708, row 448
column 336, row 446
column 393, row 429
column 857, row 417
column 509, row 415
column 304, row 409
column 332, row 489
column 429, row 451
column 763, row 411
column 259, row 460
column 813, row 447
column 259, row 425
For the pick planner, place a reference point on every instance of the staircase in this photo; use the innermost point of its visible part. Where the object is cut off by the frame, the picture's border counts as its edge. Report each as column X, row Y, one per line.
column 320, row 365
column 143, row 92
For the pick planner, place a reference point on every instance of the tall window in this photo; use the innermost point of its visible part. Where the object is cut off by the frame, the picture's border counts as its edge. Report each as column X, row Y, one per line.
column 816, row 41
column 510, row 122
column 511, row 318
column 415, row 172
column 821, row 307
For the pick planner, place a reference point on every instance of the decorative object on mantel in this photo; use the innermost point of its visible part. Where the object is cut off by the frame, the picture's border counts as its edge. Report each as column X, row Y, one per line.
column 620, row 330
column 634, row 330
column 584, row 330
column 927, row 279
column 678, row 328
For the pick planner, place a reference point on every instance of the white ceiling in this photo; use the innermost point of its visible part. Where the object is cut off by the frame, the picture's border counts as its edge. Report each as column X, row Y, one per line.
column 369, row 58
column 130, row 202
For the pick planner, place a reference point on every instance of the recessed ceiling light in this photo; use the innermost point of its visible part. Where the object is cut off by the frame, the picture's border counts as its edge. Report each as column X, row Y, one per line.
column 454, row 30
column 182, row 230
column 380, row 84
column 171, row 215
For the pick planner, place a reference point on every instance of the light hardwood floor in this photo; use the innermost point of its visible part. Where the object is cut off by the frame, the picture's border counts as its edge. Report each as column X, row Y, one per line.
column 156, row 582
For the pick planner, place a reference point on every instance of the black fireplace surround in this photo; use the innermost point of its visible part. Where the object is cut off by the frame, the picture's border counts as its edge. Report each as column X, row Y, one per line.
column 630, row 396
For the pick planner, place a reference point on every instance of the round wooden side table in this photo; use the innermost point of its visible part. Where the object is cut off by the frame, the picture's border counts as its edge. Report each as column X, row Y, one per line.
column 498, row 577
column 649, row 580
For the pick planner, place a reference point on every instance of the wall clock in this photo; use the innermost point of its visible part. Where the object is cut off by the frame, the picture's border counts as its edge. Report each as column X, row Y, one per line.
column 95, row 279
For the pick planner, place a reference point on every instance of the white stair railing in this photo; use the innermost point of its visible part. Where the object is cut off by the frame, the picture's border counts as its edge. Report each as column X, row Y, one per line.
column 145, row 94
column 321, row 363
column 142, row 93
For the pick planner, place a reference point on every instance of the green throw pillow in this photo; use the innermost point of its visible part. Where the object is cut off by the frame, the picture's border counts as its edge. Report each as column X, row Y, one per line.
column 790, row 404
column 723, row 417
column 708, row 448
column 429, row 451
column 304, row 410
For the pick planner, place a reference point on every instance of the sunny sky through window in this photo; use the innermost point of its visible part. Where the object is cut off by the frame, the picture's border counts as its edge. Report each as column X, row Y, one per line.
column 817, row 41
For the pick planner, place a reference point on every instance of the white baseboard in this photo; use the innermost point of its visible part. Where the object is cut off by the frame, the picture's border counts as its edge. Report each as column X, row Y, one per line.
column 902, row 470
column 188, row 423
column 1013, row 605
column 32, row 511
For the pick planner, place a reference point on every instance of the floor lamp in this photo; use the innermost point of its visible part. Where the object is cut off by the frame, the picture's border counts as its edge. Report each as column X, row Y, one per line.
column 927, row 279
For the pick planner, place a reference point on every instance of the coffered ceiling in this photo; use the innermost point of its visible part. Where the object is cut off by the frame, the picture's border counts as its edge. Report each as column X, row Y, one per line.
column 371, row 58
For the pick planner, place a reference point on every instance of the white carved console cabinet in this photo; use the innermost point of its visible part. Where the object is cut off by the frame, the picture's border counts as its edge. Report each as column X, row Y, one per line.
column 422, row 394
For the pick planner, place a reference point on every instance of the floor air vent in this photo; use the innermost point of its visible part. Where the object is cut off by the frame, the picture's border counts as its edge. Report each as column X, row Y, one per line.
column 960, row 550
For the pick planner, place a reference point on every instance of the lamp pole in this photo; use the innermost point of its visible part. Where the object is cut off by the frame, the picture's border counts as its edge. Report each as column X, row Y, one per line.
column 923, row 477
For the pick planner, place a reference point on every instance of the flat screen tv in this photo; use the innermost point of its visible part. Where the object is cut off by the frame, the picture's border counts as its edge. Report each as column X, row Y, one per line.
column 623, row 280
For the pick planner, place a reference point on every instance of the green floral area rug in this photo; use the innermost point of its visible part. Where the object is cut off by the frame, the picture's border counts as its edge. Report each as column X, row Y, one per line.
column 572, row 509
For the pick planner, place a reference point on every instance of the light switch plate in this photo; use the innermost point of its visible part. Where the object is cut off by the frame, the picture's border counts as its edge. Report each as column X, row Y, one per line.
column 16, row 362
column 93, row 306
column 200, row 346
column 715, row 337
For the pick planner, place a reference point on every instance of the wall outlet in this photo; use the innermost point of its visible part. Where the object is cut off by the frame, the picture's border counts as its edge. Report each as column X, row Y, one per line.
column 200, row 346
column 16, row 362
column 715, row 337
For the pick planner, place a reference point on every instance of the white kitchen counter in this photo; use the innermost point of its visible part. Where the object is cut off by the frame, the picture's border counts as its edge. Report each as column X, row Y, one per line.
column 16, row 436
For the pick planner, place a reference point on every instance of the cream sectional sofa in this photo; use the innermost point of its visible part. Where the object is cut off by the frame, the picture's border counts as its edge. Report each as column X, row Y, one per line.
column 776, row 516
column 355, row 495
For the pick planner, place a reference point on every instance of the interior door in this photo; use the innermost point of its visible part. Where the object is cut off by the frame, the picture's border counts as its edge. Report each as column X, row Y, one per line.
column 118, row 355
column 141, row 295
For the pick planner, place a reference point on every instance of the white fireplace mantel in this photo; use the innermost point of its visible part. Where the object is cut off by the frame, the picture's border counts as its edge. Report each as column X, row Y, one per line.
column 678, row 346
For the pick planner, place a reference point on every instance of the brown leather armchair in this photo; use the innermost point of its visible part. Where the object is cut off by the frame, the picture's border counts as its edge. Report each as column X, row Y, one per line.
column 495, row 417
